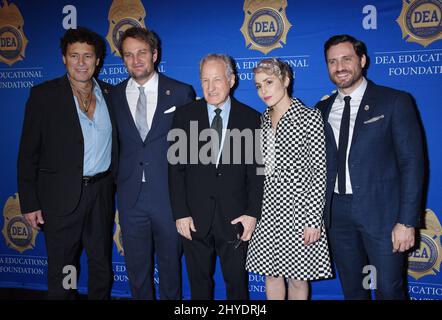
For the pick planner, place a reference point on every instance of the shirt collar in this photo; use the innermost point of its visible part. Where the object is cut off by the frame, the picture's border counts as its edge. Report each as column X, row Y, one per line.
column 356, row 94
column 150, row 85
column 225, row 107
column 97, row 89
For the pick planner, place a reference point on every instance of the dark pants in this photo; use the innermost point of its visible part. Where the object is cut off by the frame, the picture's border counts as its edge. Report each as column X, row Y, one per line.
column 353, row 248
column 201, row 253
column 147, row 229
column 89, row 226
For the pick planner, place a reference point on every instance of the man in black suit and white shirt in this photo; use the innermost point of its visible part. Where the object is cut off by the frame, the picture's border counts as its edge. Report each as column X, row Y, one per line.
column 213, row 202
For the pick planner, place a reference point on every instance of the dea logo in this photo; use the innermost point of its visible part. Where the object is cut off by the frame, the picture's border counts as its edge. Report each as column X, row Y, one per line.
column 421, row 21
column 123, row 15
column 12, row 38
column 427, row 258
column 265, row 25
column 18, row 233
column 118, row 239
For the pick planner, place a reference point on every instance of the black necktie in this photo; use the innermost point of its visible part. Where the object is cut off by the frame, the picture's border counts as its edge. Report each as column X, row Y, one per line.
column 217, row 124
column 343, row 143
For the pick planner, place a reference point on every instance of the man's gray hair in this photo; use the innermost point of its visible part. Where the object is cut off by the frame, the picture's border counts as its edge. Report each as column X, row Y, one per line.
column 220, row 57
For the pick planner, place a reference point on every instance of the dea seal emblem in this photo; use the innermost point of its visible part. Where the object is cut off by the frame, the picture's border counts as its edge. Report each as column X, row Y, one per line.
column 118, row 239
column 123, row 15
column 18, row 233
column 427, row 258
column 12, row 38
column 265, row 25
column 421, row 21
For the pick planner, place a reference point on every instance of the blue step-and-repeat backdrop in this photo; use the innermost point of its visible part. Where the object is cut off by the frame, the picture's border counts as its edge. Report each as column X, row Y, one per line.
column 404, row 44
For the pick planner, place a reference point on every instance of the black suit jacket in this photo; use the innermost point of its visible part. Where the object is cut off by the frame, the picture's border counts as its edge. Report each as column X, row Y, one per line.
column 50, row 160
column 196, row 189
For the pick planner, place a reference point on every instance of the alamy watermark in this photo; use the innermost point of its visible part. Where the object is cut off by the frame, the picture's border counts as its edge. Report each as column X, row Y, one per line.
column 203, row 147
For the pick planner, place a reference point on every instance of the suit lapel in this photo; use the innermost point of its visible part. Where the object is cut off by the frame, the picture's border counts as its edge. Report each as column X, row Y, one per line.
column 203, row 116
column 328, row 128
column 106, row 94
column 365, row 111
column 232, row 123
column 163, row 92
column 70, row 106
column 122, row 102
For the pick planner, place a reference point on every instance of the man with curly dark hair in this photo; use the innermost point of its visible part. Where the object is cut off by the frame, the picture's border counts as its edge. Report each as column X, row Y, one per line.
column 65, row 162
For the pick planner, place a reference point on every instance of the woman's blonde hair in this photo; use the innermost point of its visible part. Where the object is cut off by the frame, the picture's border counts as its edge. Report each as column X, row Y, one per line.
column 274, row 66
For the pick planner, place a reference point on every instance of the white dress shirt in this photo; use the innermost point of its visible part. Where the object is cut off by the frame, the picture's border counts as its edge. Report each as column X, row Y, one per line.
column 151, row 91
column 335, row 121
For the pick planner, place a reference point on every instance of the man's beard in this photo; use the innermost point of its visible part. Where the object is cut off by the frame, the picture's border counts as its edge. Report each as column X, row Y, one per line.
column 354, row 77
column 141, row 76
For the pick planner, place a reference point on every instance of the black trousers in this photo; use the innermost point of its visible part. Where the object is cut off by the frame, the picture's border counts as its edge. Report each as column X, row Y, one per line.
column 89, row 226
column 200, row 254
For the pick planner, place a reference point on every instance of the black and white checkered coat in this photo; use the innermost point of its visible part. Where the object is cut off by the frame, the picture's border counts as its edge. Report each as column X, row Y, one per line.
column 294, row 195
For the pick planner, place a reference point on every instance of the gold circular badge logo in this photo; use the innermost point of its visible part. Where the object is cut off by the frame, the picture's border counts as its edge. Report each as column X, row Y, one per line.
column 265, row 25
column 421, row 21
column 12, row 38
column 426, row 259
column 123, row 15
column 18, row 233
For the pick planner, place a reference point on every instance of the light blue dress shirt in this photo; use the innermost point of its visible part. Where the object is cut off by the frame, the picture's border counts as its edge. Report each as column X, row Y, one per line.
column 97, row 136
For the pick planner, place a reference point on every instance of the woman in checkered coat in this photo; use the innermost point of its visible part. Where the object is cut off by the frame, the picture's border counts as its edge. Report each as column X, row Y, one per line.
column 290, row 240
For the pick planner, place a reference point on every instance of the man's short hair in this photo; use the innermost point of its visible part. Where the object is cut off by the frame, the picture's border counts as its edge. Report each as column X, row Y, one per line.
column 358, row 45
column 141, row 34
column 83, row 35
column 230, row 69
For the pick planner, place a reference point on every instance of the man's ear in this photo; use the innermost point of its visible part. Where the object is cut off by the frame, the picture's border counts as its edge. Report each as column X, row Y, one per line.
column 155, row 55
column 363, row 61
column 232, row 80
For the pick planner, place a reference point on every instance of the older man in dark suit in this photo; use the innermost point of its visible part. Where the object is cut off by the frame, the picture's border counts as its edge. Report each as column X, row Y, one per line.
column 216, row 203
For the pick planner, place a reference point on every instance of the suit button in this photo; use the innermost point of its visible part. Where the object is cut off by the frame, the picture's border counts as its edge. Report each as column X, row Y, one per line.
column 80, row 142
column 219, row 174
column 141, row 163
column 144, row 145
column 212, row 198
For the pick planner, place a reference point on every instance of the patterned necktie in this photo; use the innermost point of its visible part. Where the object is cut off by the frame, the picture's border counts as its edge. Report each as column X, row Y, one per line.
column 343, row 143
column 141, row 114
column 217, row 124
